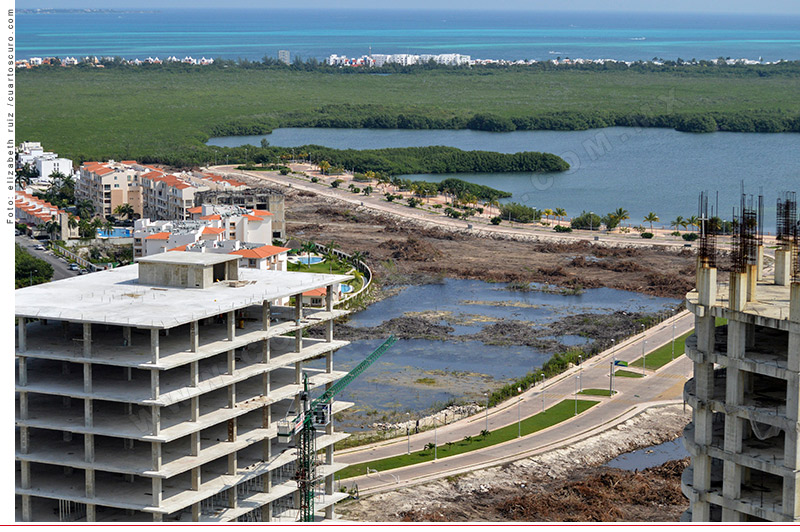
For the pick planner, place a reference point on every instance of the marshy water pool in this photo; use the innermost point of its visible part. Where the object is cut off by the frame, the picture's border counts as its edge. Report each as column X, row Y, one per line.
column 417, row 375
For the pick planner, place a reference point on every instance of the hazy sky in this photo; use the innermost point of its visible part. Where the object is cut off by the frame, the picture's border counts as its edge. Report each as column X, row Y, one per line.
column 670, row 6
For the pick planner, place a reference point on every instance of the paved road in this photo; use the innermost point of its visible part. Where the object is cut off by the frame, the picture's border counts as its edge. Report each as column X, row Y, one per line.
column 633, row 395
column 60, row 267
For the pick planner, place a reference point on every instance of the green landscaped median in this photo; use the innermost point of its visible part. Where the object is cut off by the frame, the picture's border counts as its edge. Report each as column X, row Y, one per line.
column 596, row 391
column 552, row 416
column 664, row 354
column 626, row 373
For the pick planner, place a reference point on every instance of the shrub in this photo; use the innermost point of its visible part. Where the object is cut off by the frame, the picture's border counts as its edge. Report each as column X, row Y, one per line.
column 336, row 183
column 690, row 237
column 676, row 233
column 562, row 229
column 437, row 206
column 355, row 190
column 413, row 202
column 647, row 235
column 587, row 221
column 496, row 220
column 314, row 179
column 284, row 170
column 520, row 213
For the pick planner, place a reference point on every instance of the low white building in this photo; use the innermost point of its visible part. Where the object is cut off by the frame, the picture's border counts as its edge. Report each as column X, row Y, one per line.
column 45, row 162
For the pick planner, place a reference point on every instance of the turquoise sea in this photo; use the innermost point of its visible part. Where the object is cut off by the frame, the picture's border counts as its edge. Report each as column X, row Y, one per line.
column 254, row 33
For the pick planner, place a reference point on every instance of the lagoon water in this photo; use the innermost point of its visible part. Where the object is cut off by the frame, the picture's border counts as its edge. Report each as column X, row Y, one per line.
column 498, row 34
column 462, row 369
column 638, row 169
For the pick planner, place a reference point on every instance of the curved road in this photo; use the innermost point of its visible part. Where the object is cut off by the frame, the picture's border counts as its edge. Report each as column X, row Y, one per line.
column 633, row 395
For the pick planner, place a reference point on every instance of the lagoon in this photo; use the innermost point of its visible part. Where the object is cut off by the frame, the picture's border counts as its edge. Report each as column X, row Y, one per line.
column 638, row 169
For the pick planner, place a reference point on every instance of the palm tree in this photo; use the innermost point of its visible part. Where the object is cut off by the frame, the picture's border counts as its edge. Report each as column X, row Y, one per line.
column 678, row 222
column 651, row 217
column 52, row 227
column 621, row 215
column 561, row 213
column 309, row 247
column 125, row 209
column 547, row 213
column 356, row 257
column 324, row 166
column 693, row 221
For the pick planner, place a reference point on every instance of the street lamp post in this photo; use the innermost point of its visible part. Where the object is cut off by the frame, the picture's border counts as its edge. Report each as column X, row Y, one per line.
column 576, row 395
column 542, row 392
column 519, row 413
column 435, row 440
column 408, row 432
column 611, row 378
column 644, row 357
column 487, row 411
column 673, row 339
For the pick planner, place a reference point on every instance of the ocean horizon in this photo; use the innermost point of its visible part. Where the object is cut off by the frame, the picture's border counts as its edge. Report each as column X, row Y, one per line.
column 512, row 35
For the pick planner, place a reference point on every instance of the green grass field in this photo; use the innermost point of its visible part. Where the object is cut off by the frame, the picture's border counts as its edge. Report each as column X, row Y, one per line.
column 552, row 416
column 91, row 114
column 604, row 392
column 629, row 374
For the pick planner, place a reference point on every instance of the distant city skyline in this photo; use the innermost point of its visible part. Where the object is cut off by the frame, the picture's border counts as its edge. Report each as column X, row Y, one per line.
column 791, row 7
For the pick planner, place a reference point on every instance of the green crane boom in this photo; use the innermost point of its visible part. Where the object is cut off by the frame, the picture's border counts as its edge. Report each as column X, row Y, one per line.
column 303, row 427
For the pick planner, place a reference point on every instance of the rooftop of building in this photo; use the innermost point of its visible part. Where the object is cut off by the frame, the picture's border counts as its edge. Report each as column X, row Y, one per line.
column 115, row 296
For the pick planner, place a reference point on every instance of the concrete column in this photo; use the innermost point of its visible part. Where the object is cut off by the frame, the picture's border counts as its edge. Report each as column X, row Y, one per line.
column 127, row 339
column 155, row 455
column 266, row 417
column 701, row 509
column 22, row 335
column 232, row 464
column 154, row 346
column 194, row 336
column 87, row 340
column 752, row 277
column 783, row 267
column 128, row 374
column 298, row 308
column 231, row 325
column 738, row 291
column 231, row 395
column 22, row 367
column 329, row 331
column 156, row 413
column 157, row 517
column 195, row 409
column 232, row 497
column 27, row 513
column 88, row 413
column 266, row 314
column 90, row 491
column 87, row 377
column 266, row 512
column 298, row 370
column 760, row 262
column 266, row 381
column 196, row 512
column 329, row 362
column 88, row 448
column 194, row 444
column 196, row 478
column 329, row 298
column 24, row 440
column 23, row 405
column 233, row 430
column 157, row 495
column 155, row 385
column 91, row 513
column 25, row 474
column 194, row 374
column 231, row 361
column 265, row 351
column 65, row 329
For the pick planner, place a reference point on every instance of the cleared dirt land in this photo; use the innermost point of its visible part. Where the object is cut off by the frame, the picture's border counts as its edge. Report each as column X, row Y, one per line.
column 403, row 251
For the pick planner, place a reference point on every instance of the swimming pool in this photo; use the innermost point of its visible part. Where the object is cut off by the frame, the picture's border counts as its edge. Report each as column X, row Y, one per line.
column 308, row 260
column 345, row 288
column 117, row 232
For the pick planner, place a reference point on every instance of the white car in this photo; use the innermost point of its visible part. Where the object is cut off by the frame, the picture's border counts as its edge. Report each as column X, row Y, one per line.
column 39, row 247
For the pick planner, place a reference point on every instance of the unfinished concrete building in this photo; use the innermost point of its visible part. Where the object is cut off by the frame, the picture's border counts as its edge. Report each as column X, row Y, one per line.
column 153, row 392
column 745, row 393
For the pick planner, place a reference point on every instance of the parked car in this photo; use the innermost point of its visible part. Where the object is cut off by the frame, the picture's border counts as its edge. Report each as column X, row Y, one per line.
column 83, row 271
column 39, row 247
column 74, row 267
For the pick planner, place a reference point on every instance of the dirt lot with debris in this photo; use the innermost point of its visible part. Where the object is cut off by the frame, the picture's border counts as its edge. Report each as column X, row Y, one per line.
column 568, row 484
column 403, row 251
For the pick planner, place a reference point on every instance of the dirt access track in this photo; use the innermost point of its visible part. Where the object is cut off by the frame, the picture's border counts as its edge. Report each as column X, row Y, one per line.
column 409, row 249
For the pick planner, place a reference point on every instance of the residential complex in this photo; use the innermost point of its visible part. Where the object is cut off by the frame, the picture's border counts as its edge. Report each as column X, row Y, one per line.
column 265, row 199
column 153, row 392
column 745, row 394
column 35, row 212
column 151, row 191
column 45, row 162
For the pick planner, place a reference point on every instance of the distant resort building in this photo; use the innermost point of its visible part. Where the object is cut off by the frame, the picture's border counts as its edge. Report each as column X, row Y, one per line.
column 45, row 162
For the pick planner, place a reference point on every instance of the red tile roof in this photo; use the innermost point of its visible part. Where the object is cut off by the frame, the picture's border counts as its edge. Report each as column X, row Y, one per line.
column 159, row 236
column 213, row 230
column 316, row 292
column 194, row 210
column 261, row 212
column 260, row 253
column 211, row 217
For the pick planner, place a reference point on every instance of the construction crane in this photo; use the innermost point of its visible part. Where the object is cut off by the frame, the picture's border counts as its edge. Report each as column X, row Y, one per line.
column 317, row 413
